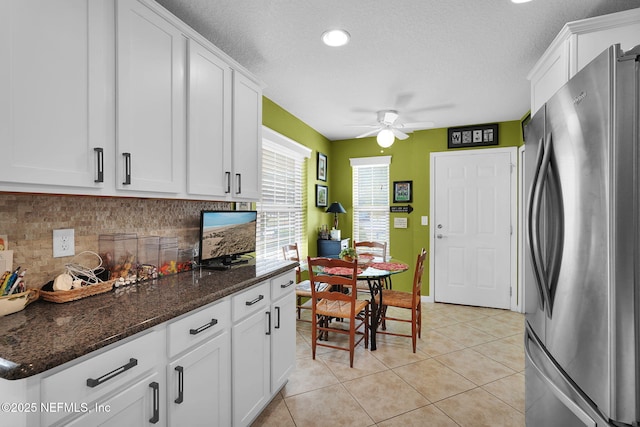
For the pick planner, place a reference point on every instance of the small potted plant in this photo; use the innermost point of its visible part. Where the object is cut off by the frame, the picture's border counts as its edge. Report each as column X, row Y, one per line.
column 348, row 254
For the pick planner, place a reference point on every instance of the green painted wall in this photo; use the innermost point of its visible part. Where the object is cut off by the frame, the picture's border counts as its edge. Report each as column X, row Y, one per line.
column 281, row 121
column 410, row 162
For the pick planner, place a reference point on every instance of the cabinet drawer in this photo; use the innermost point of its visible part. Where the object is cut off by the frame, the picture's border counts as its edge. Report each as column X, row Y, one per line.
column 198, row 327
column 89, row 380
column 249, row 301
column 283, row 284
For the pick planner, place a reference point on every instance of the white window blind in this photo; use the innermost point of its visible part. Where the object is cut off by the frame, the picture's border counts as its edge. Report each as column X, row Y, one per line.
column 281, row 213
column 371, row 199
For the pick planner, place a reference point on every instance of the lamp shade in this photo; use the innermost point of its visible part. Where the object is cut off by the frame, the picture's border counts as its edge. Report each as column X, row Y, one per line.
column 336, row 208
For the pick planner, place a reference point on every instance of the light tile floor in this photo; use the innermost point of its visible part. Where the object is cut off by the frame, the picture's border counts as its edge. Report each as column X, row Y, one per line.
column 468, row 371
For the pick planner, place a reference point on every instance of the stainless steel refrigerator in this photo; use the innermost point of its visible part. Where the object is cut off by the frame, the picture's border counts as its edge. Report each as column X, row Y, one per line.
column 582, row 292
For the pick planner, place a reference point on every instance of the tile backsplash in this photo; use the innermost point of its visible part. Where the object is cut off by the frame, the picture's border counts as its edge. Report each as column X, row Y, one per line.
column 29, row 220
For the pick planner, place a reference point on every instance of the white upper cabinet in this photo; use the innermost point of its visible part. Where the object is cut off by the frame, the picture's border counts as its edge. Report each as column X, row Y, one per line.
column 56, row 102
column 121, row 98
column 247, row 138
column 575, row 46
column 209, row 123
column 151, row 58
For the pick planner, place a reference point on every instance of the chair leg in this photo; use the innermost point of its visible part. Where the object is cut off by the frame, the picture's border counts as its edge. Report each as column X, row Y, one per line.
column 414, row 327
column 314, row 335
column 383, row 317
column 367, row 319
column 352, row 340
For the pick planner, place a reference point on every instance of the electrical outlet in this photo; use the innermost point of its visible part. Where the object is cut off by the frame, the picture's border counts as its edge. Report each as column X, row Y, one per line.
column 63, row 243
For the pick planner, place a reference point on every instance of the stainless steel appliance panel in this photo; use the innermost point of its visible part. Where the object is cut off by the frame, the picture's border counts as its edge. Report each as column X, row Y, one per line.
column 533, row 299
column 552, row 398
column 578, row 331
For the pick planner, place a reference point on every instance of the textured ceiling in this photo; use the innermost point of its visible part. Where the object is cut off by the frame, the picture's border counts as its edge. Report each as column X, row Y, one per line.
column 451, row 62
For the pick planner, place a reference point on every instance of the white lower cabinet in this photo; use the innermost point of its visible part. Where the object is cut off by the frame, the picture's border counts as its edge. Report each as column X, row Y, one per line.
column 219, row 365
column 250, row 348
column 283, row 331
column 79, row 388
column 199, row 386
column 139, row 404
column 263, row 345
column 199, row 382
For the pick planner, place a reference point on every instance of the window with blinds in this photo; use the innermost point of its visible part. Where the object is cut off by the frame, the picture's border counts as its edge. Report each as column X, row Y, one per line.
column 281, row 213
column 371, row 199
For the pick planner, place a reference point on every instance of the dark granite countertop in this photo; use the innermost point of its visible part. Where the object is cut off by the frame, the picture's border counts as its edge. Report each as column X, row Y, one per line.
column 45, row 334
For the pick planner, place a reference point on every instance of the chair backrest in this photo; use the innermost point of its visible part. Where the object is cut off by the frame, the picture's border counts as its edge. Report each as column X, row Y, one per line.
column 417, row 276
column 378, row 249
column 320, row 272
column 291, row 253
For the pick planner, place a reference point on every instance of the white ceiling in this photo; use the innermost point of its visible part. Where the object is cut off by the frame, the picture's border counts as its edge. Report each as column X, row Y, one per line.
column 451, row 62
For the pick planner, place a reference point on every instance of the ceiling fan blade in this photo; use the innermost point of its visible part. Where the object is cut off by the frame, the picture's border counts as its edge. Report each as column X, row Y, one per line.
column 364, row 126
column 399, row 134
column 371, row 132
column 418, row 125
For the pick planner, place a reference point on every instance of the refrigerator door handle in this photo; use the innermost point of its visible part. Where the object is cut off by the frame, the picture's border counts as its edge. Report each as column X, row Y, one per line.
column 534, row 216
column 557, row 227
column 566, row 400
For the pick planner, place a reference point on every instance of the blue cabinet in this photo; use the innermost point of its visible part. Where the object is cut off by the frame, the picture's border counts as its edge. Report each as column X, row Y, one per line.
column 331, row 248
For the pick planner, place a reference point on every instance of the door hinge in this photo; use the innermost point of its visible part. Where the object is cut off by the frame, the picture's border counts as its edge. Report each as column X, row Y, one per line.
column 510, row 292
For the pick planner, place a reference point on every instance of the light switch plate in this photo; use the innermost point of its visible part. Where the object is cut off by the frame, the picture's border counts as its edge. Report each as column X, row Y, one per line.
column 424, row 220
column 64, row 243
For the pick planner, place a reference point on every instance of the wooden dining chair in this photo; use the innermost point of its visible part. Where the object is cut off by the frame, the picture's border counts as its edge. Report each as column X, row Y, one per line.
column 407, row 300
column 340, row 303
column 374, row 249
column 377, row 249
column 303, row 287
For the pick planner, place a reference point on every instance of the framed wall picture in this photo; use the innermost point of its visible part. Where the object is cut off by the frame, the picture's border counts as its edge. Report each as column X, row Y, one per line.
column 322, row 167
column 322, row 196
column 402, row 191
column 473, row 136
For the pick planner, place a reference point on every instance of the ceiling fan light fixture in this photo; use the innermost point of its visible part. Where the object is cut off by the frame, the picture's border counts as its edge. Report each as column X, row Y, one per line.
column 335, row 38
column 385, row 138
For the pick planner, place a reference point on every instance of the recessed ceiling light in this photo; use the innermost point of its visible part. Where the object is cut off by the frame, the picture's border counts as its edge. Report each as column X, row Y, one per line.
column 520, row 1
column 335, row 38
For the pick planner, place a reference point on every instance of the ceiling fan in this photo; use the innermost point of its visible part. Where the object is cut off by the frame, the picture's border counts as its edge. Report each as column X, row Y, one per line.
column 388, row 128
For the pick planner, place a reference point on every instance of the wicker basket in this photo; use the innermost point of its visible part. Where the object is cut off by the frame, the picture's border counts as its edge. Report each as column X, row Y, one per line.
column 16, row 302
column 76, row 294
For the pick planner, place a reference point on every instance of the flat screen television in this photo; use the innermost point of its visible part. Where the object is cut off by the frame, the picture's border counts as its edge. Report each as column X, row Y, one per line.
column 225, row 236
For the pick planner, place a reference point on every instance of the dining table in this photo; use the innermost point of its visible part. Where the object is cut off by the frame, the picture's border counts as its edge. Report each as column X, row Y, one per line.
column 377, row 273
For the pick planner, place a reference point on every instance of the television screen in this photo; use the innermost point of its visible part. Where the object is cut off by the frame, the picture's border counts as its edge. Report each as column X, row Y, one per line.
column 225, row 235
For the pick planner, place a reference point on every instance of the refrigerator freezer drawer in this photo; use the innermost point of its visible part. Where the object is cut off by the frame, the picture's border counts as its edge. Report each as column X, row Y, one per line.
column 552, row 400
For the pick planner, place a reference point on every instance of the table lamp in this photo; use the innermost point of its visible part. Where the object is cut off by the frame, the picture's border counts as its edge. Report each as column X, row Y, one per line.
column 335, row 209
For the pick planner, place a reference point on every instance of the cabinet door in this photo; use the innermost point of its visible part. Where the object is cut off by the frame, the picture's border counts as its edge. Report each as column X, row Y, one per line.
column 199, row 385
column 283, row 340
column 151, row 57
column 137, row 405
column 209, row 123
column 552, row 73
column 250, row 367
column 247, row 138
column 54, row 92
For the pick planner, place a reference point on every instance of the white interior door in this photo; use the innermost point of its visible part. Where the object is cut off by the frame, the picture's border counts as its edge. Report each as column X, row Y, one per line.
column 473, row 206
